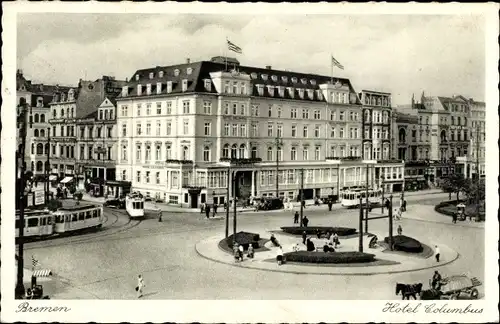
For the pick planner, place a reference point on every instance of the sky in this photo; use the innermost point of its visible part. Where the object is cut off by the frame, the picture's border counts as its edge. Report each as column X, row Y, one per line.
column 402, row 54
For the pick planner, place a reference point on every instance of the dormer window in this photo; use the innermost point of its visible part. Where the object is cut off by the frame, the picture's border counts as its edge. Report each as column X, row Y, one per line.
column 291, row 92
column 264, row 77
column 39, row 102
column 310, row 93
column 260, row 89
column 151, row 75
column 176, row 72
column 184, row 85
column 158, row 88
column 208, row 84
column 189, row 70
column 124, row 91
column 139, row 89
column 71, row 94
column 303, row 80
column 284, row 78
column 274, row 78
column 254, row 75
column 137, row 77
column 270, row 89
column 313, row 82
column 160, row 74
column 301, row 93
column 294, row 80
column 319, row 94
column 169, row 86
column 148, row 89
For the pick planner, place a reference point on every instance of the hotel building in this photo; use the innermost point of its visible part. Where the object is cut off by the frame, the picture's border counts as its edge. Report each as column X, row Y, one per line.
column 178, row 124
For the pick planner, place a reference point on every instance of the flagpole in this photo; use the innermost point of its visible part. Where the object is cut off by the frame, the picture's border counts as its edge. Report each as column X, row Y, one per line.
column 331, row 62
column 225, row 55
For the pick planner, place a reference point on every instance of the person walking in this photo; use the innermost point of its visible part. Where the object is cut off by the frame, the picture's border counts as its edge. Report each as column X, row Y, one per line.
column 250, row 251
column 403, row 206
column 438, row 252
column 330, row 205
column 215, row 210
column 305, row 221
column 140, row 286
column 202, row 208
column 296, row 217
column 303, row 204
column 335, row 240
column 207, row 211
column 304, row 237
column 240, row 251
column 454, row 218
column 400, row 230
column 279, row 256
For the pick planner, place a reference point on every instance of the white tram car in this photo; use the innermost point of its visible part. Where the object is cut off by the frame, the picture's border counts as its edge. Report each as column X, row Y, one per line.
column 134, row 204
column 350, row 198
column 78, row 218
column 36, row 223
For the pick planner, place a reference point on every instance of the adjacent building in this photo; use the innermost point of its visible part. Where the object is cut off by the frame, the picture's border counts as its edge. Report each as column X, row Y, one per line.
column 178, row 124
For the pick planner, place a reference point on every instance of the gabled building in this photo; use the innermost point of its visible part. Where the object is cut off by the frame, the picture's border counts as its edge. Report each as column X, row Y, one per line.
column 177, row 123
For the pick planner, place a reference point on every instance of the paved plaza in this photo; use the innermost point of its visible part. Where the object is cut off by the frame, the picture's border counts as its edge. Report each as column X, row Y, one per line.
column 105, row 264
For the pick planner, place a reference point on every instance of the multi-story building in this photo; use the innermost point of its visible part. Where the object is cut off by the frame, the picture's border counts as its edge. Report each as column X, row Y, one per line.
column 37, row 98
column 177, row 123
column 75, row 110
column 476, row 153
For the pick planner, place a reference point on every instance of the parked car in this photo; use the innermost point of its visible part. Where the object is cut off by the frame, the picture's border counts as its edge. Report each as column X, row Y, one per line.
column 271, row 204
column 115, row 203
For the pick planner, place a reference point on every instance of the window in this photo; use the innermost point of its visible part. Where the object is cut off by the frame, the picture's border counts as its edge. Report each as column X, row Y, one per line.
column 279, row 111
column 317, row 114
column 139, row 110
column 293, row 154
column 304, row 131
column 208, row 128
column 234, row 151
column 124, row 152
column 184, row 85
column 280, row 130
column 225, row 151
column 243, row 88
column 158, row 152
column 227, row 87
column 147, row 176
column 158, row 128
column 168, row 151
column 169, row 127
column 333, row 115
column 341, row 116
column 148, row 109
column 316, row 131
column 226, row 129
column 138, row 153
column 269, row 129
column 157, row 177
column 226, row 108
column 270, row 111
column 254, row 130
column 254, row 152
column 235, row 87
column 341, row 132
column 294, row 130
column 207, row 107
column 185, row 107
column 280, row 153
column 185, row 153
column 305, row 114
column 317, row 153
column 255, row 110
column 169, row 107
column 208, row 84
column 234, row 130
column 305, row 153
column 235, row 108
column 148, row 153
column 186, row 127
column 243, row 130
column 206, row 154
column 293, row 113
column 332, row 132
column 124, row 175
column 158, row 108
column 241, row 152
column 148, row 128
column 269, row 153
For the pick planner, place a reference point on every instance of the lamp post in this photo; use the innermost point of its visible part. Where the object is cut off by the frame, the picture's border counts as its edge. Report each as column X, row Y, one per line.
column 383, row 192
column 233, row 174
column 301, row 196
column 360, row 225
column 278, row 143
column 47, row 169
column 390, row 223
column 227, row 202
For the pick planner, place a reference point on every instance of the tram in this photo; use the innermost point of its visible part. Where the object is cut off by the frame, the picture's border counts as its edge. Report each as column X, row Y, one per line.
column 350, row 198
column 77, row 218
column 36, row 223
column 134, row 204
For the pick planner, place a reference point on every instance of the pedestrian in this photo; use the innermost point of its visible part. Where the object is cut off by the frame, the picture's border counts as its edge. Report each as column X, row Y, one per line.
column 250, row 252
column 240, row 251
column 303, row 204
column 437, row 251
column 159, row 215
column 454, row 221
column 236, row 252
column 140, row 286
column 202, row 208
column 387, row 203
column 404, row 206
column 215, row 209
column 305, row 221
column 296, row 217
column 400, row 230
column 330, row 205
column 304, row 236
column 318, row 233
column 436, row 280
column 335, row 240
column 279, row 256
column 207, row 211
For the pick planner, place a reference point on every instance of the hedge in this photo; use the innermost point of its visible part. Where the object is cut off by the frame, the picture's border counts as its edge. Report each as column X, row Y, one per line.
column 244, row 238
column 329, row 257
column 405, row 244
column 310, row 230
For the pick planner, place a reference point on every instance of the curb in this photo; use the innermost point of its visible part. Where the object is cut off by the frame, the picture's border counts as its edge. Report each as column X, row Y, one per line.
column 328, row 273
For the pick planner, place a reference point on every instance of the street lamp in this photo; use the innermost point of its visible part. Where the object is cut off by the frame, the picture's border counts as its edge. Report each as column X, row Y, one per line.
column 382, row 179
column 278, row 143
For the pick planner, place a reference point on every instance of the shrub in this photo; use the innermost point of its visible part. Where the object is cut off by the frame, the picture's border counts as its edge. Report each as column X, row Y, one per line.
column 405, row 244
column 329, row 257
column 310, row 230
column 245, row 239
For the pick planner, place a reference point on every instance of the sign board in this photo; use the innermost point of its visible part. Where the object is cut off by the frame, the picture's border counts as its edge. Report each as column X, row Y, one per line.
column 29, row 199
column 39, row 198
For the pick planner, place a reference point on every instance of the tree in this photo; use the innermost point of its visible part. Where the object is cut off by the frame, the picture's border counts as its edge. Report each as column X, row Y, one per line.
column 454, row 183
column 475, row 190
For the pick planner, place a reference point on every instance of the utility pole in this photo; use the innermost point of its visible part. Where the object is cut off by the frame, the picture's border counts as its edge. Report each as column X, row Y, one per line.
column 390, row 224
column 360, row 248
column 278, row 143
column 227, row 201
column 301, row 196
column 233, row 174
column 19, row 290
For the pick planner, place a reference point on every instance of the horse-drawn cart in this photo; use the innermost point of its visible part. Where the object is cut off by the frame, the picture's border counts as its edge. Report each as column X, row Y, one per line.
column 452, row 287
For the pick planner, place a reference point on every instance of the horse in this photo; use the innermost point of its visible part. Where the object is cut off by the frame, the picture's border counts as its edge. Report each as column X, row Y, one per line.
column 408, row 291
column 431, row 294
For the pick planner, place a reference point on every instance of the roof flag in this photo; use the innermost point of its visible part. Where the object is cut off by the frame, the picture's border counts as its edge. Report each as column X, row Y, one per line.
column 233, row 47
column 336, row 63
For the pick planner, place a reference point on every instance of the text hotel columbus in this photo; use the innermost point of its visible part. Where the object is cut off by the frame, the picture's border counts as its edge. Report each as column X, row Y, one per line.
column 176, row 122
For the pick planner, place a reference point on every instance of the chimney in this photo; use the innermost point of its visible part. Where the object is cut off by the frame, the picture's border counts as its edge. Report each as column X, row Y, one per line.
column 188, row 60
column 268, row 67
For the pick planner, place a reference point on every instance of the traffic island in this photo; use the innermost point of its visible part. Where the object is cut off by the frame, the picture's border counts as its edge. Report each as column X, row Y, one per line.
column 383, row 263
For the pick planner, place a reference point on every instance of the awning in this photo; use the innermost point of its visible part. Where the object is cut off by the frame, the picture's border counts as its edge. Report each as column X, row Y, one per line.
column 66, row 179
column 42, row 273
column 52, row 177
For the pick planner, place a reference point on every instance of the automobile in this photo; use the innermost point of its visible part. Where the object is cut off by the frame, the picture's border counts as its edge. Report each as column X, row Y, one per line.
column 115, row 203
column 271, row 204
